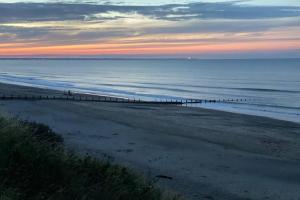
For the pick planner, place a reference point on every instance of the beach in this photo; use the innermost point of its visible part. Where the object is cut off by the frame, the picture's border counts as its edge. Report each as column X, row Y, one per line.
column 196, row 152
column 268, row 87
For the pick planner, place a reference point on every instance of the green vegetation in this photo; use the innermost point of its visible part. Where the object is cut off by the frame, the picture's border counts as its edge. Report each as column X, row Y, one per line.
column 34, row 165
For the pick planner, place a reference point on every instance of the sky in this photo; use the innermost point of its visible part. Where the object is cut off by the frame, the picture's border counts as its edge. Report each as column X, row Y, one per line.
column 156, row 28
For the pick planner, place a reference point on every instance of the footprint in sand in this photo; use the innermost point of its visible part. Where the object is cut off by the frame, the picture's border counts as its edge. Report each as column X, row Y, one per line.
column 125, row 150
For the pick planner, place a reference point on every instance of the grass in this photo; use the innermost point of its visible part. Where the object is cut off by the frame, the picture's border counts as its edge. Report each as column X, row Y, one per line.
column 35, row 165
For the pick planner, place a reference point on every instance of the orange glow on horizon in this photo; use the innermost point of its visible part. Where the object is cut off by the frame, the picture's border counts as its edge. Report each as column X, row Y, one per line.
column 146, row 48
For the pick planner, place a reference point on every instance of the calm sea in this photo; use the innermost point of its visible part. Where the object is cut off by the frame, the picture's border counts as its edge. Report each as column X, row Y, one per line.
column 271, row 87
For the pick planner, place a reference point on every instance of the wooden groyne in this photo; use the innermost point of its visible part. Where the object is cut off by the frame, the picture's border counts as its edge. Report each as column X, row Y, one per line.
column 94, row 98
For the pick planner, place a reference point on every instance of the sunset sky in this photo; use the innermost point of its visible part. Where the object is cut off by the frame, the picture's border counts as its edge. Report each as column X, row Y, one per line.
column 156, row 28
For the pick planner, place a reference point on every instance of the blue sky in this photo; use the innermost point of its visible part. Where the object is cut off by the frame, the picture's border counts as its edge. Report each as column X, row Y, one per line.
column 161, row 2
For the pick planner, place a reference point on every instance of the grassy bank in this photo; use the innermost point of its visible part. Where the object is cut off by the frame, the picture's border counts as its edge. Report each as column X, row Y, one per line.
column 34, row 165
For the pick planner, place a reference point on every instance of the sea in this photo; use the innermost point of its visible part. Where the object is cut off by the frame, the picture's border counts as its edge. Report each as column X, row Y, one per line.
column 269, row 87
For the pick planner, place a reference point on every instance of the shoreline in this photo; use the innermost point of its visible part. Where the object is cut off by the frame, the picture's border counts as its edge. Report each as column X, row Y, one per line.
column 207, row 153
column 42, row 90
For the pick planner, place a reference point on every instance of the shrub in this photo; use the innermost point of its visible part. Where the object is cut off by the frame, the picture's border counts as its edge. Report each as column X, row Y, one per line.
column 34, row 165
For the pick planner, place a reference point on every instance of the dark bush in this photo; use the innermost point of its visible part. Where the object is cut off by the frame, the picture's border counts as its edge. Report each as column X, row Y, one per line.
column 35, row 166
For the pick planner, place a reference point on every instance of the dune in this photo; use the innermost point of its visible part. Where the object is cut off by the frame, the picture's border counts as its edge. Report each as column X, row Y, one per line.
column 200, row 153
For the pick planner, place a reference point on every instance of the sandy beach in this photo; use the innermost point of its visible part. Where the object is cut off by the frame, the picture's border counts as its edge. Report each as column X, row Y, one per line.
column 199, row 153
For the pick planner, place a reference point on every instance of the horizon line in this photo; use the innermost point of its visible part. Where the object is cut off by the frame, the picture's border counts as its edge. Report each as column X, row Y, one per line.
column 137, row 58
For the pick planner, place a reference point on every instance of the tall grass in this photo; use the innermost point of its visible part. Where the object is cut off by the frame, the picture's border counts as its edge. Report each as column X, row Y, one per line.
column 34, row 165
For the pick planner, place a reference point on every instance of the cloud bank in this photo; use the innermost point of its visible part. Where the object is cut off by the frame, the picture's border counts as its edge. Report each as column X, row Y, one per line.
column 174, row 29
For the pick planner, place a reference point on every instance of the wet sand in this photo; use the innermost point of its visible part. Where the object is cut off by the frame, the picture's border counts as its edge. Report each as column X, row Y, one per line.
column 200, row 153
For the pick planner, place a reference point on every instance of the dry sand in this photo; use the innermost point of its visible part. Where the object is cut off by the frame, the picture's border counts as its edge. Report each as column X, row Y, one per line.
column 203, row 154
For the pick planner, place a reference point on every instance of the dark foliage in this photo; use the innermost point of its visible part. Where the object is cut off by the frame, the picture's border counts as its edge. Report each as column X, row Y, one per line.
column 35, row 166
